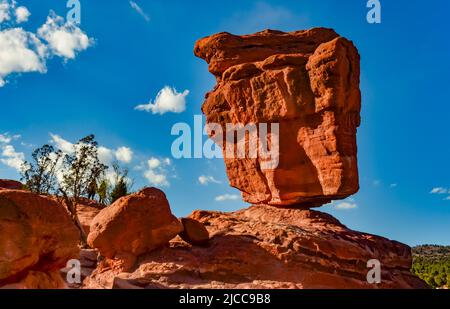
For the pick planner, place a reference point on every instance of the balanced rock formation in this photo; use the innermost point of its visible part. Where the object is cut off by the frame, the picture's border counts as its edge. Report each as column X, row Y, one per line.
column 37, row 238
column 10, row 184
column 133, row 225
column 268, row 247
column 308, row 83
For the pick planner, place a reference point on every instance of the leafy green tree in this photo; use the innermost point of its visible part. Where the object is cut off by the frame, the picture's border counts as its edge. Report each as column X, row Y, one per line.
column 40, row 175
column 103, row 191
column 80, row 169
column 121, row 183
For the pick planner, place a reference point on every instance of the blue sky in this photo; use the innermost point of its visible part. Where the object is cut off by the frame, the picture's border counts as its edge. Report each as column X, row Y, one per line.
column 403, row 140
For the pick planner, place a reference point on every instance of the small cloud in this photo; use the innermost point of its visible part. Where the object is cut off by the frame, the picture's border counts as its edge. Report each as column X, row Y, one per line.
column 62, row 144
column 124, row 154
column 227, row 197
column 156, row 172
column 22, row 14
column 139, row 10
column 64, row 39
column 6, row 138
column 12, row 158
column 167, row 100
column 447, row 198
column 345, row 206
column 376, row 182
column 393, row 185
column 154, row 163
column 6, row 6
column 439, row 190
column 205, row 180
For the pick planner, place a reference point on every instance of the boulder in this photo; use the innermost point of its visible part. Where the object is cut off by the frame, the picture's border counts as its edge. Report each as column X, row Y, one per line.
column 307, row 82
column 37, row 238
column 86, row 214
column 134, row 224
column 264, row 247
column 10, row 184
column 194, row 232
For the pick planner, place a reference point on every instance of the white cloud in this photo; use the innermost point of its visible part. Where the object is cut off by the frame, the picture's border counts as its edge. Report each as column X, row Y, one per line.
column 64, row 39
column 6, row 138
column 62, row 144
column 156, row 172
column 167, row 100
column 139, row 10
column 447, row 198
column 154, row 163
column 22, row 14
column 105, row 155
column 5, row 8
column 227, row 197
column 124, row 154
column 11, row 157
column 393, row 185
column 205, row 180
column 376, row 182
column 20, row 52
column 23, row 51
column 439, row 190
column 346, row 205
column 156, row 178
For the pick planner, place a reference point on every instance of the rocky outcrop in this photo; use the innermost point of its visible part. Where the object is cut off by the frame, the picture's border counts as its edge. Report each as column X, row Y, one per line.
column 308, row 83
column 194, row 232
column 37, row 238
column 134, row 225
column 10, row 184
column 267, row 247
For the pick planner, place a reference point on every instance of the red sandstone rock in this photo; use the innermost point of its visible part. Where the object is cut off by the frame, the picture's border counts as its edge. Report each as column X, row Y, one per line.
column 308, row 82
column 39, row 280
column 267, row 247
column 194, row 232
column 10, row 184
column 134, row 225
column 86, row 212
column 37, row 238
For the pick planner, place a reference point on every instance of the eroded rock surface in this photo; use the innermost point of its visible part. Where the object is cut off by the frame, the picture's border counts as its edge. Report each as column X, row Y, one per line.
column 308, row 83
column 133, row 225
column 37, row 238
column 267, row 247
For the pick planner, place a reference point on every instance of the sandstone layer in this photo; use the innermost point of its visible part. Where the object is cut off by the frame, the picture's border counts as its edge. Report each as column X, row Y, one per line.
column 37, row 238
column 267, row 247
column 10, row 184
column 308, row 83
